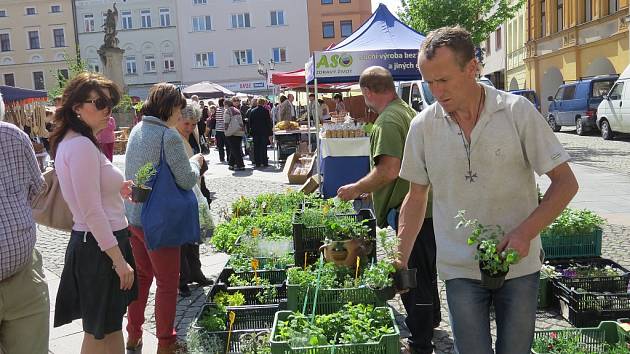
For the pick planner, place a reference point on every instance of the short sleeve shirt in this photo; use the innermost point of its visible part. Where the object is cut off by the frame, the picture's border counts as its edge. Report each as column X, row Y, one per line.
column 387, row 137
column 509, row 143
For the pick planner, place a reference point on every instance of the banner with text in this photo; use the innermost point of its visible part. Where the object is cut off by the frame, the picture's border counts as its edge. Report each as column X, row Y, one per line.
column 337, row 66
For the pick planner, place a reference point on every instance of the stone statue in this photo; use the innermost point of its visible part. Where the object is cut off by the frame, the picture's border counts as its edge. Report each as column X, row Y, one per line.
column 110, row 28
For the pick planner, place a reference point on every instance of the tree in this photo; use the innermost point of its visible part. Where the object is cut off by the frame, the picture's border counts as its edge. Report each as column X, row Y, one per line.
column 479, row 17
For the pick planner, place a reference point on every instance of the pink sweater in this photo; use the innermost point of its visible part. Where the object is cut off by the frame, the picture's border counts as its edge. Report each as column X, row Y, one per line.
column 107, row 136
column 90, row 184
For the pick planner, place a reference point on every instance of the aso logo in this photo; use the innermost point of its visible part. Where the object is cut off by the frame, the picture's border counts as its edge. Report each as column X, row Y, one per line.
column 343, row 60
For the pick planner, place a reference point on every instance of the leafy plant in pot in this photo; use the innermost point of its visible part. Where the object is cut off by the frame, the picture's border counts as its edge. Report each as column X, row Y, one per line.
column 493, row 265
column 140, row 191
column 345, row 241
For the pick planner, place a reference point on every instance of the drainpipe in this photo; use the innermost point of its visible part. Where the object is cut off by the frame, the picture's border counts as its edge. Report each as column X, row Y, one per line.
column 76, row 30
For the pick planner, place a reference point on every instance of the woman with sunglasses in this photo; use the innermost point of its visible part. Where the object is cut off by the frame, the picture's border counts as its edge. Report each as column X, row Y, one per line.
column 161, row 112
column 97, row 282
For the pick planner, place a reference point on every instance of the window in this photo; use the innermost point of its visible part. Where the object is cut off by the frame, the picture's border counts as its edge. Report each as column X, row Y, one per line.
column 3, row 13
column 241, row 20
column 5, row 42
column 497, row 39
column 243, row 57
column 9, row 80
column 588, row 14
column 130, row 63
column 612, row 6
column 326, row 2
column 345, row 1
column 38, row 80
column 149, row 63
column 126, row 20
column 204, row 60
column 165, row 17
column 63, row 73
column 328, row 29
column 200, row 2
column 560, row 24
column 59, row 37
column 543, row 19
column 145, row 18
column 31, row 11
column 558, row 95
column 346, row 28
column 601, row 88
column 33, row 40
column 277, row 18
column 202, row 23
column 169, row 64
column 88, row 23
column 615, row 93
column 279, row 55
column 487, row 47
column 569, row 93
column 55, row 8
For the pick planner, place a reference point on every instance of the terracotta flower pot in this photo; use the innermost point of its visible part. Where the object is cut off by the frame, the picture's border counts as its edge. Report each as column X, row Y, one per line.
column 345, row 252
column 140, row 194
column 491, row 281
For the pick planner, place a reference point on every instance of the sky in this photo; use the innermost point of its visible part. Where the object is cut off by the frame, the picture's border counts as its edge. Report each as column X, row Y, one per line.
column 392, row 5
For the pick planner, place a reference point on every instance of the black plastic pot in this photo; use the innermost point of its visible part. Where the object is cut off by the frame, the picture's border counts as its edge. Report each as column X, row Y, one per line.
column 385, row 294
column 491, row 281
column 405, row 279
column 140, row 194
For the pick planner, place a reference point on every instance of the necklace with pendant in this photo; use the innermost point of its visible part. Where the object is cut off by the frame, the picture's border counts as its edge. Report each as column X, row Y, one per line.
column 471, row 176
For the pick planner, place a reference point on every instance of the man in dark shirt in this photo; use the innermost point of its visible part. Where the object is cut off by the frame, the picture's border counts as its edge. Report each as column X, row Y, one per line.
column 261, row 128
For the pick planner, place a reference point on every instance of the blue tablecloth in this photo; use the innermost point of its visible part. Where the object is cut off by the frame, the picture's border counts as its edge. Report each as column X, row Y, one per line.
column 340, row 170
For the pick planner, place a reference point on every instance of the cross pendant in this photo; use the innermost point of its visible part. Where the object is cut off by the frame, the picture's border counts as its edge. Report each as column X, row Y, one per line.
column 470, row 177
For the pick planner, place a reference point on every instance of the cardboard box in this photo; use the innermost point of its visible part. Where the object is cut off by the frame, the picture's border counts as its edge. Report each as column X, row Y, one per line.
column 311, row 186
column 299, row 167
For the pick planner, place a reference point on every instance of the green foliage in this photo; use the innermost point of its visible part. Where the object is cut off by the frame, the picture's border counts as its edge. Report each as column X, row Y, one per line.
column 267, row 295
column 574, row 222
column 548, row 272
column 389, row 246
column 269, row 203
column 570, row 342
column 75, row 67
column 143, row 174
column 198, row 341
column 223, row 298
column 344, row 228
column 479, row 17
column 244, row 264
column 353, row 324
column 213, row 319
column 124, row 105
column 487, row 237
column 271, row 226
column 255, row 343
column 379, row 275
column 331, row 276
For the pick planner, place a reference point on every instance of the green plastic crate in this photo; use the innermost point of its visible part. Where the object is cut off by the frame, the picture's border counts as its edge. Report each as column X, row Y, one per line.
column 591, row 339
column 388, row 344
column 544, row 293
column 329, row 300
column 562, row 246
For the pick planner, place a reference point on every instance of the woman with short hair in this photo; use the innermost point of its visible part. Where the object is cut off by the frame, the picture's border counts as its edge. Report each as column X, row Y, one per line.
column 234, row 131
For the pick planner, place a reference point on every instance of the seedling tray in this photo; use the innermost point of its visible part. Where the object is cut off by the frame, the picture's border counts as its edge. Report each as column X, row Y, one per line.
column 558, row 246
column 594, row 339
column 329, row 300
column 250, row 293
column 587, row 309
column 246, row 317
column 613, row 284
column 274, row 276
column 388, row 344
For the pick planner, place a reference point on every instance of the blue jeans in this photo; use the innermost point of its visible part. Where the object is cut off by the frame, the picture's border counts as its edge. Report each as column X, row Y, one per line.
column 514, row 306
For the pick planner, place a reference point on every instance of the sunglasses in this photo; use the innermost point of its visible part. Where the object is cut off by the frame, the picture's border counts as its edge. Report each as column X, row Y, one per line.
column 101, row 103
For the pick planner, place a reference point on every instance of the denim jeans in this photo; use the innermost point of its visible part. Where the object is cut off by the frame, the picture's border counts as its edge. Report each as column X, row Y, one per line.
column 514, row 306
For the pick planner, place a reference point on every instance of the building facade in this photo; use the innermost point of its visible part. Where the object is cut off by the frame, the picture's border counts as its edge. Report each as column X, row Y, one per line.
column 494, row 62
column 222, row 41
column 331, row 21
column 572, row 39
column 147, row 32
column 516, row 37
column 36, row 37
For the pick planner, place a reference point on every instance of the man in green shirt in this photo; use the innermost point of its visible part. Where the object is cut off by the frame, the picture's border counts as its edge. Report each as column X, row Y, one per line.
column 387, row 142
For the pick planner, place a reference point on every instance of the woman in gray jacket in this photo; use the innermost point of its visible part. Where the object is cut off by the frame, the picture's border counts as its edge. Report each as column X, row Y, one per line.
column 234, row 131
column 161, row 112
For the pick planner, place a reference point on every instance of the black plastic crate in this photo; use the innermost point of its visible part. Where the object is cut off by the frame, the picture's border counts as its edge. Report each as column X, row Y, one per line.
column 246, row 317
column 310, row 239
column 274, row 276
column 613, row 284
column 240, row 341
column 588, row 309
column 250, row 293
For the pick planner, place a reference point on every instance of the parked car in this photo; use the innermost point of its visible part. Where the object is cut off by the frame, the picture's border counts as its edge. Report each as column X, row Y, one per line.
column 418, row 95
column 613, row 113
column 530, row 95
column 575, row 104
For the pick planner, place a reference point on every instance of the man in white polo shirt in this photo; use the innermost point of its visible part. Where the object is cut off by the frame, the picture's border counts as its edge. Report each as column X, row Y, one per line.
column 478, row 148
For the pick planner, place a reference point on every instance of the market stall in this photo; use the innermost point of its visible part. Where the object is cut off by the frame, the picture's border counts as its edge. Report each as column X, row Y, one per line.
column 382, row 40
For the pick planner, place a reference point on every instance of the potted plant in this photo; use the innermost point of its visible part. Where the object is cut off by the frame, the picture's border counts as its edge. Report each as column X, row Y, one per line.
column 379, row 278
column 493, row 265
column 345, row 241
column 140, row 191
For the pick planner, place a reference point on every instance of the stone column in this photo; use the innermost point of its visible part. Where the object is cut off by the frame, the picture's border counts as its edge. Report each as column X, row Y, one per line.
column 112, row 65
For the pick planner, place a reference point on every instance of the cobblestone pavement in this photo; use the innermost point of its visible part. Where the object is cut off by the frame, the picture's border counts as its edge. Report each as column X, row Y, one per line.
column 592, row 150
column 229, row 187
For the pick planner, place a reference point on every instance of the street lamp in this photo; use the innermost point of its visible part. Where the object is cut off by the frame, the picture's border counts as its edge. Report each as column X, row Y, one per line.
column 264, row 70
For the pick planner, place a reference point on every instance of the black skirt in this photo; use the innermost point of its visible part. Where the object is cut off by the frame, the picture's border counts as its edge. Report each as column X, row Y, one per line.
column 90, row 288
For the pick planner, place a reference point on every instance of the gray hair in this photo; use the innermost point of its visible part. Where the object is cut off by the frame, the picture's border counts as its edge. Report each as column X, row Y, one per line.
column 192, row 112
column 1, row 108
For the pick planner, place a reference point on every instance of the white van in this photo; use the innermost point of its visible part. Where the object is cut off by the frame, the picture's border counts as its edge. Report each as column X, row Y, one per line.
column 613, row 113
column 418, row 95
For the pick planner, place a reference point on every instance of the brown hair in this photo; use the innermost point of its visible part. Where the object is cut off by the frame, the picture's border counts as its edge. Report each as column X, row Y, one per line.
column 75, row 94
column 163, row 99
column 377, row 79
column 455, row 38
